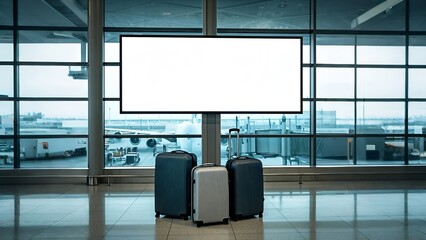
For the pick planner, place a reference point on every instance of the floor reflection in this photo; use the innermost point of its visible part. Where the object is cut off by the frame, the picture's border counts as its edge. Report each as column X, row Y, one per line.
column 322, row 210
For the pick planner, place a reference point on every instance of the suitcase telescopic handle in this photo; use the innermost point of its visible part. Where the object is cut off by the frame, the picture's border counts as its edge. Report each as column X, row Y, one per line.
column 237, row 130
column 179, row 151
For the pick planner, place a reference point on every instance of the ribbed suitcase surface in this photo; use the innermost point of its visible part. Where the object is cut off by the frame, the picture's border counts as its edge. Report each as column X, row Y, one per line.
column 210, row 195
column 246, row 191
column 245, row 187
column 172, row 187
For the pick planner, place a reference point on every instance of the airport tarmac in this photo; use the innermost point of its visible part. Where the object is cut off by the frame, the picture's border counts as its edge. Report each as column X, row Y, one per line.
column 147, row 159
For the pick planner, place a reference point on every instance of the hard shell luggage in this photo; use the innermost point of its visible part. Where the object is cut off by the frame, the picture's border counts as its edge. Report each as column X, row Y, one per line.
column 210, row 194
column 172, row 189
column 246, row 193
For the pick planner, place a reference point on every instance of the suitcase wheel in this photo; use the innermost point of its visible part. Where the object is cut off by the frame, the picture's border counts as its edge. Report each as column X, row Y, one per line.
column 260, row 214
column 157, row 214
column 225, row 221
column 185, row 218
column 199, row 223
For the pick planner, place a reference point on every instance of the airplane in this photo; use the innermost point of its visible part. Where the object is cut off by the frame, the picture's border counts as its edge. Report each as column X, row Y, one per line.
column 188, row 144
column 154, row 143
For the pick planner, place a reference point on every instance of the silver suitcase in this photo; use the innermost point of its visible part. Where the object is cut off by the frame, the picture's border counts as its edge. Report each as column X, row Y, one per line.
column 210, row 194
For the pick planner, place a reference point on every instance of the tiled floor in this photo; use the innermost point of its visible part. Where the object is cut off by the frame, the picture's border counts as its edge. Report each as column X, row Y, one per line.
column 321, row 210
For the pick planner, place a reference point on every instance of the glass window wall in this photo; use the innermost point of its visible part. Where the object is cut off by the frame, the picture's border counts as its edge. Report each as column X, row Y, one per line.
column 417, row 15
column 272, row 151
column 335, row 117
column 52, row 81
column 382, row 150
column 417, row 50
column 112, row 81
column 306, row 82
column 361, row 15
column 6, row 81
column 6, row 12
column 416, row 83
column 275, row 14
column 6, row 153
column 53, row 46
column 52, row 13
column 416, row 117
column 335, row 82
column 386, row 49
column 335, row 49
column 380, row 83
column 417, row 151
column 53, row 153
column 141, row 151
column 380, row 117
column 53, row 117
column 331, row 151
column 358, row 87
column 6, row 118
column 148, row 134
column 6, row 45
column 148, row 14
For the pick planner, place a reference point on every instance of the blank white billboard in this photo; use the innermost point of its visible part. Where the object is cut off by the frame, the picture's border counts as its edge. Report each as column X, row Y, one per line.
column 210, row 74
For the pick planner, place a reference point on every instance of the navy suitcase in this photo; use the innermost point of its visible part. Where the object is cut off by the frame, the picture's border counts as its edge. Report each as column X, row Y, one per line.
column 172, row 189
column 246, row 193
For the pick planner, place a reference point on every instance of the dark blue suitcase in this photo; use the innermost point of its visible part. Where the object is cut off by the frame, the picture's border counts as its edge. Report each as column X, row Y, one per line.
column 172, row 189
column 246, row 192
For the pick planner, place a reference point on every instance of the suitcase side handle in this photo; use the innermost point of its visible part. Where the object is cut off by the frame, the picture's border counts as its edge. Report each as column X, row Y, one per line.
column 237, row 131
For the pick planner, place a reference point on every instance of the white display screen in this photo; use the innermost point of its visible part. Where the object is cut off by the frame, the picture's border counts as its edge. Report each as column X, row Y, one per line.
column 210, row 74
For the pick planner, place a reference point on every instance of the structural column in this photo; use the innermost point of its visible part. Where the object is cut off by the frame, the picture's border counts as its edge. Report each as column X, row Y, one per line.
column 210, row 121
column 96, row 116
